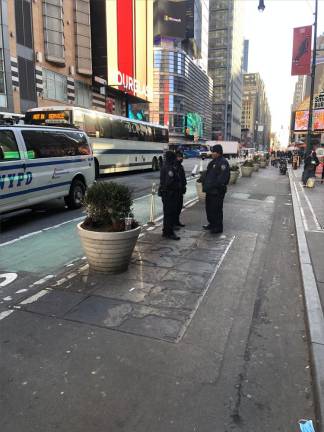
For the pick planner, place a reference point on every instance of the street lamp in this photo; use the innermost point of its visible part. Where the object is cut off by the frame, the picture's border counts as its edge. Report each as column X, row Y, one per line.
column 261, row 6
column 311, row 97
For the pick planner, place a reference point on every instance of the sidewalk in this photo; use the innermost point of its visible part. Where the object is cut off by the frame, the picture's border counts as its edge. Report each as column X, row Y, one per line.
column 309, row 218
column 205, row 334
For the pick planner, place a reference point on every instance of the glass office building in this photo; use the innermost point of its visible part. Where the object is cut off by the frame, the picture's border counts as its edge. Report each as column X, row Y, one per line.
column 182, row 96
column 225, row 66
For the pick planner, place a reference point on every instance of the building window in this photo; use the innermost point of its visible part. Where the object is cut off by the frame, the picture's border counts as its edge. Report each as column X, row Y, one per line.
column 83, row 37
column 23, row 23
column 55, row 85
column 53, row 31
column 82, row 94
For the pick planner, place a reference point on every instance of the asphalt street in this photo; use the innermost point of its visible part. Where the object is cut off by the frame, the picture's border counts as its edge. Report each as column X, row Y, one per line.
column 240, row 363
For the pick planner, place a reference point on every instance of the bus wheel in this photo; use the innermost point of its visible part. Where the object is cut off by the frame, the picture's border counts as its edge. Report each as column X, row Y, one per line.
column 76, row 194
column 155, row 164
column 97, row 171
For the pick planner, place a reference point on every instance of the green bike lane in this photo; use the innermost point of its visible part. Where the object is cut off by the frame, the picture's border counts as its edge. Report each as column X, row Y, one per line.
column 40, row 255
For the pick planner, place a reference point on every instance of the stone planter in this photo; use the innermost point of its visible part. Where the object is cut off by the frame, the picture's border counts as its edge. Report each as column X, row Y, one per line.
column 256, row 167
column 201, row 195
column 246, row 171
column 233, row 177
column 263, row 164
column 108, row 252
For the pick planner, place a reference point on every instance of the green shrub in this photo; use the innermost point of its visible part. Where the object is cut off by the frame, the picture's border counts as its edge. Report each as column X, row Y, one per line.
column 248, row 163
column 234, row 167
column 106, row 206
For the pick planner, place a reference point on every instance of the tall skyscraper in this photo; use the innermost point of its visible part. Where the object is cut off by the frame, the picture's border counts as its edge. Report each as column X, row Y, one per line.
column 182, row 89
column 256, row 117
column 300, row 91
column 225, row 66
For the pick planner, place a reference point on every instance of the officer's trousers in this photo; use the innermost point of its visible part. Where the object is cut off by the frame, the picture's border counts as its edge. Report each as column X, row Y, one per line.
column 179, row 208
column 214, row 210
column 170, row 200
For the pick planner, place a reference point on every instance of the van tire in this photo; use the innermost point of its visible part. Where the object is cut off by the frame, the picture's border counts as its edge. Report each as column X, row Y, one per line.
column 155, row 164
column 97, row 170
column 76, row 194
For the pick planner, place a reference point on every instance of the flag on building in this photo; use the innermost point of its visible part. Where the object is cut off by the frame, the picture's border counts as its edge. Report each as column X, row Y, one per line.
column 302, row 50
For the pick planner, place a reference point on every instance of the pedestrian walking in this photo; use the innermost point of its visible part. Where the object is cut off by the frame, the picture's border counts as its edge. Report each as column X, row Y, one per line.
column 183, row 187
column 310, row 163
column 169, row 191
column 214, row 184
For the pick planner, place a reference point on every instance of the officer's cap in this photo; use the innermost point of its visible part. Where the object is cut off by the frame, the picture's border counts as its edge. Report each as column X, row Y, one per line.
column 217, row 149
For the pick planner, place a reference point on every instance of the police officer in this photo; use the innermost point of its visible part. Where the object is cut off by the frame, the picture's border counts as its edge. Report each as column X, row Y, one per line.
column 183, row 187
column 170, row 190
column 214, row 184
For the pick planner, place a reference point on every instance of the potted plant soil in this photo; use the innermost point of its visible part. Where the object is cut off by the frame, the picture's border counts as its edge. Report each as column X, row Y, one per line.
column 109, row 232
column 247, row 168
column 199, row 186
column 234, row 173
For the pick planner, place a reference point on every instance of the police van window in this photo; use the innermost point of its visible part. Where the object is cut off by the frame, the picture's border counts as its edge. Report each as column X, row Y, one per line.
column 43, row 144
column 8, row 146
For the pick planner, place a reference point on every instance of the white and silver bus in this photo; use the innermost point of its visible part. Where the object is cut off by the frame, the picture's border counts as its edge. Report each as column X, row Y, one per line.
column 119, row 144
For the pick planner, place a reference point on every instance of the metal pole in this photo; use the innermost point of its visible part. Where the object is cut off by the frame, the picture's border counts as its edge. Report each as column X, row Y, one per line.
column 152, row 206
column 311, row 97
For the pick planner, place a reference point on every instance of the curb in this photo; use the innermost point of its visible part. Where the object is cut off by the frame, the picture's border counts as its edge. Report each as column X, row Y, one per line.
column 314, row 310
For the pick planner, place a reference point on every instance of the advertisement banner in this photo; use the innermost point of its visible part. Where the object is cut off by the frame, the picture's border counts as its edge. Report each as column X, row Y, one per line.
column 301, row 120
column 302, row 50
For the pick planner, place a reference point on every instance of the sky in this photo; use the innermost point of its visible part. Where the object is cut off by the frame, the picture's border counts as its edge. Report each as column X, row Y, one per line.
column 271, row 35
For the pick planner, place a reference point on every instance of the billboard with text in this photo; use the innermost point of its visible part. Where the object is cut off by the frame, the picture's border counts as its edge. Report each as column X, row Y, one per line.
column 302, row 51
column 301, row 120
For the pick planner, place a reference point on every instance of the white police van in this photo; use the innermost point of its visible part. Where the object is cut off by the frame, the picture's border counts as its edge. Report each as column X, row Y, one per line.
column 39, row 163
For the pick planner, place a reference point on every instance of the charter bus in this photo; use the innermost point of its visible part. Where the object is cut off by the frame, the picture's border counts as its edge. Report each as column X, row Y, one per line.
column 8, row 118
column 119, row 144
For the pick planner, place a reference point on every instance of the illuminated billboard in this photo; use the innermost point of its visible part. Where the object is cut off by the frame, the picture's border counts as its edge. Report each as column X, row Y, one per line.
column 193, row 125
column 170, row 18
column 301, row 120
column 129, row 30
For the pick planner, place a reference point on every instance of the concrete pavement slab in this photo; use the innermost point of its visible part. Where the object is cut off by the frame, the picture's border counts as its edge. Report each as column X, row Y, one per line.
column 315, row 242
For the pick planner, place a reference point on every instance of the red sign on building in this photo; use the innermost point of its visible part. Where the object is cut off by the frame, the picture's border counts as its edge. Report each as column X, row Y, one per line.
column 302, row 51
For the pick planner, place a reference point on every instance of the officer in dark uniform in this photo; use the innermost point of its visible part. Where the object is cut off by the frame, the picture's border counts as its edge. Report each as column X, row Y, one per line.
column 183, row 184
column 169, row 191
column 214, row 184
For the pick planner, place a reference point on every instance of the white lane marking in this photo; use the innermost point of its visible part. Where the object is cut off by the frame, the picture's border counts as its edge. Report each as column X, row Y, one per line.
column 41, row 281
column 318, row 226
column 5, row 314
column 23, row 237
column 21, row 290
column 8, row 298
column 301, row 208
column 34, row 297
column 8, row 278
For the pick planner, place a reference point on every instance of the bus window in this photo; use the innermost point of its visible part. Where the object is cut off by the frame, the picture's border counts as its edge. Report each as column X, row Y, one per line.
column 149, row 134
column 119, row 129
column 8, row 146
column 90, row 124
column 104, row 127
column 133, row 132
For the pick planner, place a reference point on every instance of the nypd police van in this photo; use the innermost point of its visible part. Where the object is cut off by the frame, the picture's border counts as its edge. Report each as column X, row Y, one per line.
column 41, row 163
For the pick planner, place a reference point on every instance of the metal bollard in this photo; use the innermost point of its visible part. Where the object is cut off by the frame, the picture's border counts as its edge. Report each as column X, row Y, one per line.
column 201, row 168
column 152, row 205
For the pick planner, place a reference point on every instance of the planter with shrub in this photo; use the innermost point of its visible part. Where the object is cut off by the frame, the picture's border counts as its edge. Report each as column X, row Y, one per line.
column 247, row 168
column 109, row 232
column 234, row 174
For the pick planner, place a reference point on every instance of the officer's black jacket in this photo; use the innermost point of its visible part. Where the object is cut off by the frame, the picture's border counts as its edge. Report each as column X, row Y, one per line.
column 182, row 176
column 217, row 176
column 169, row 178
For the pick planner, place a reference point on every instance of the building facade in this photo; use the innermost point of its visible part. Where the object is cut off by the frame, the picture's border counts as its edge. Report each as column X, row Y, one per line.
column 256, row 117
column 182, row 96
column 46, row 54
column 225, row 67
column 182, row 89
column 246, row 56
